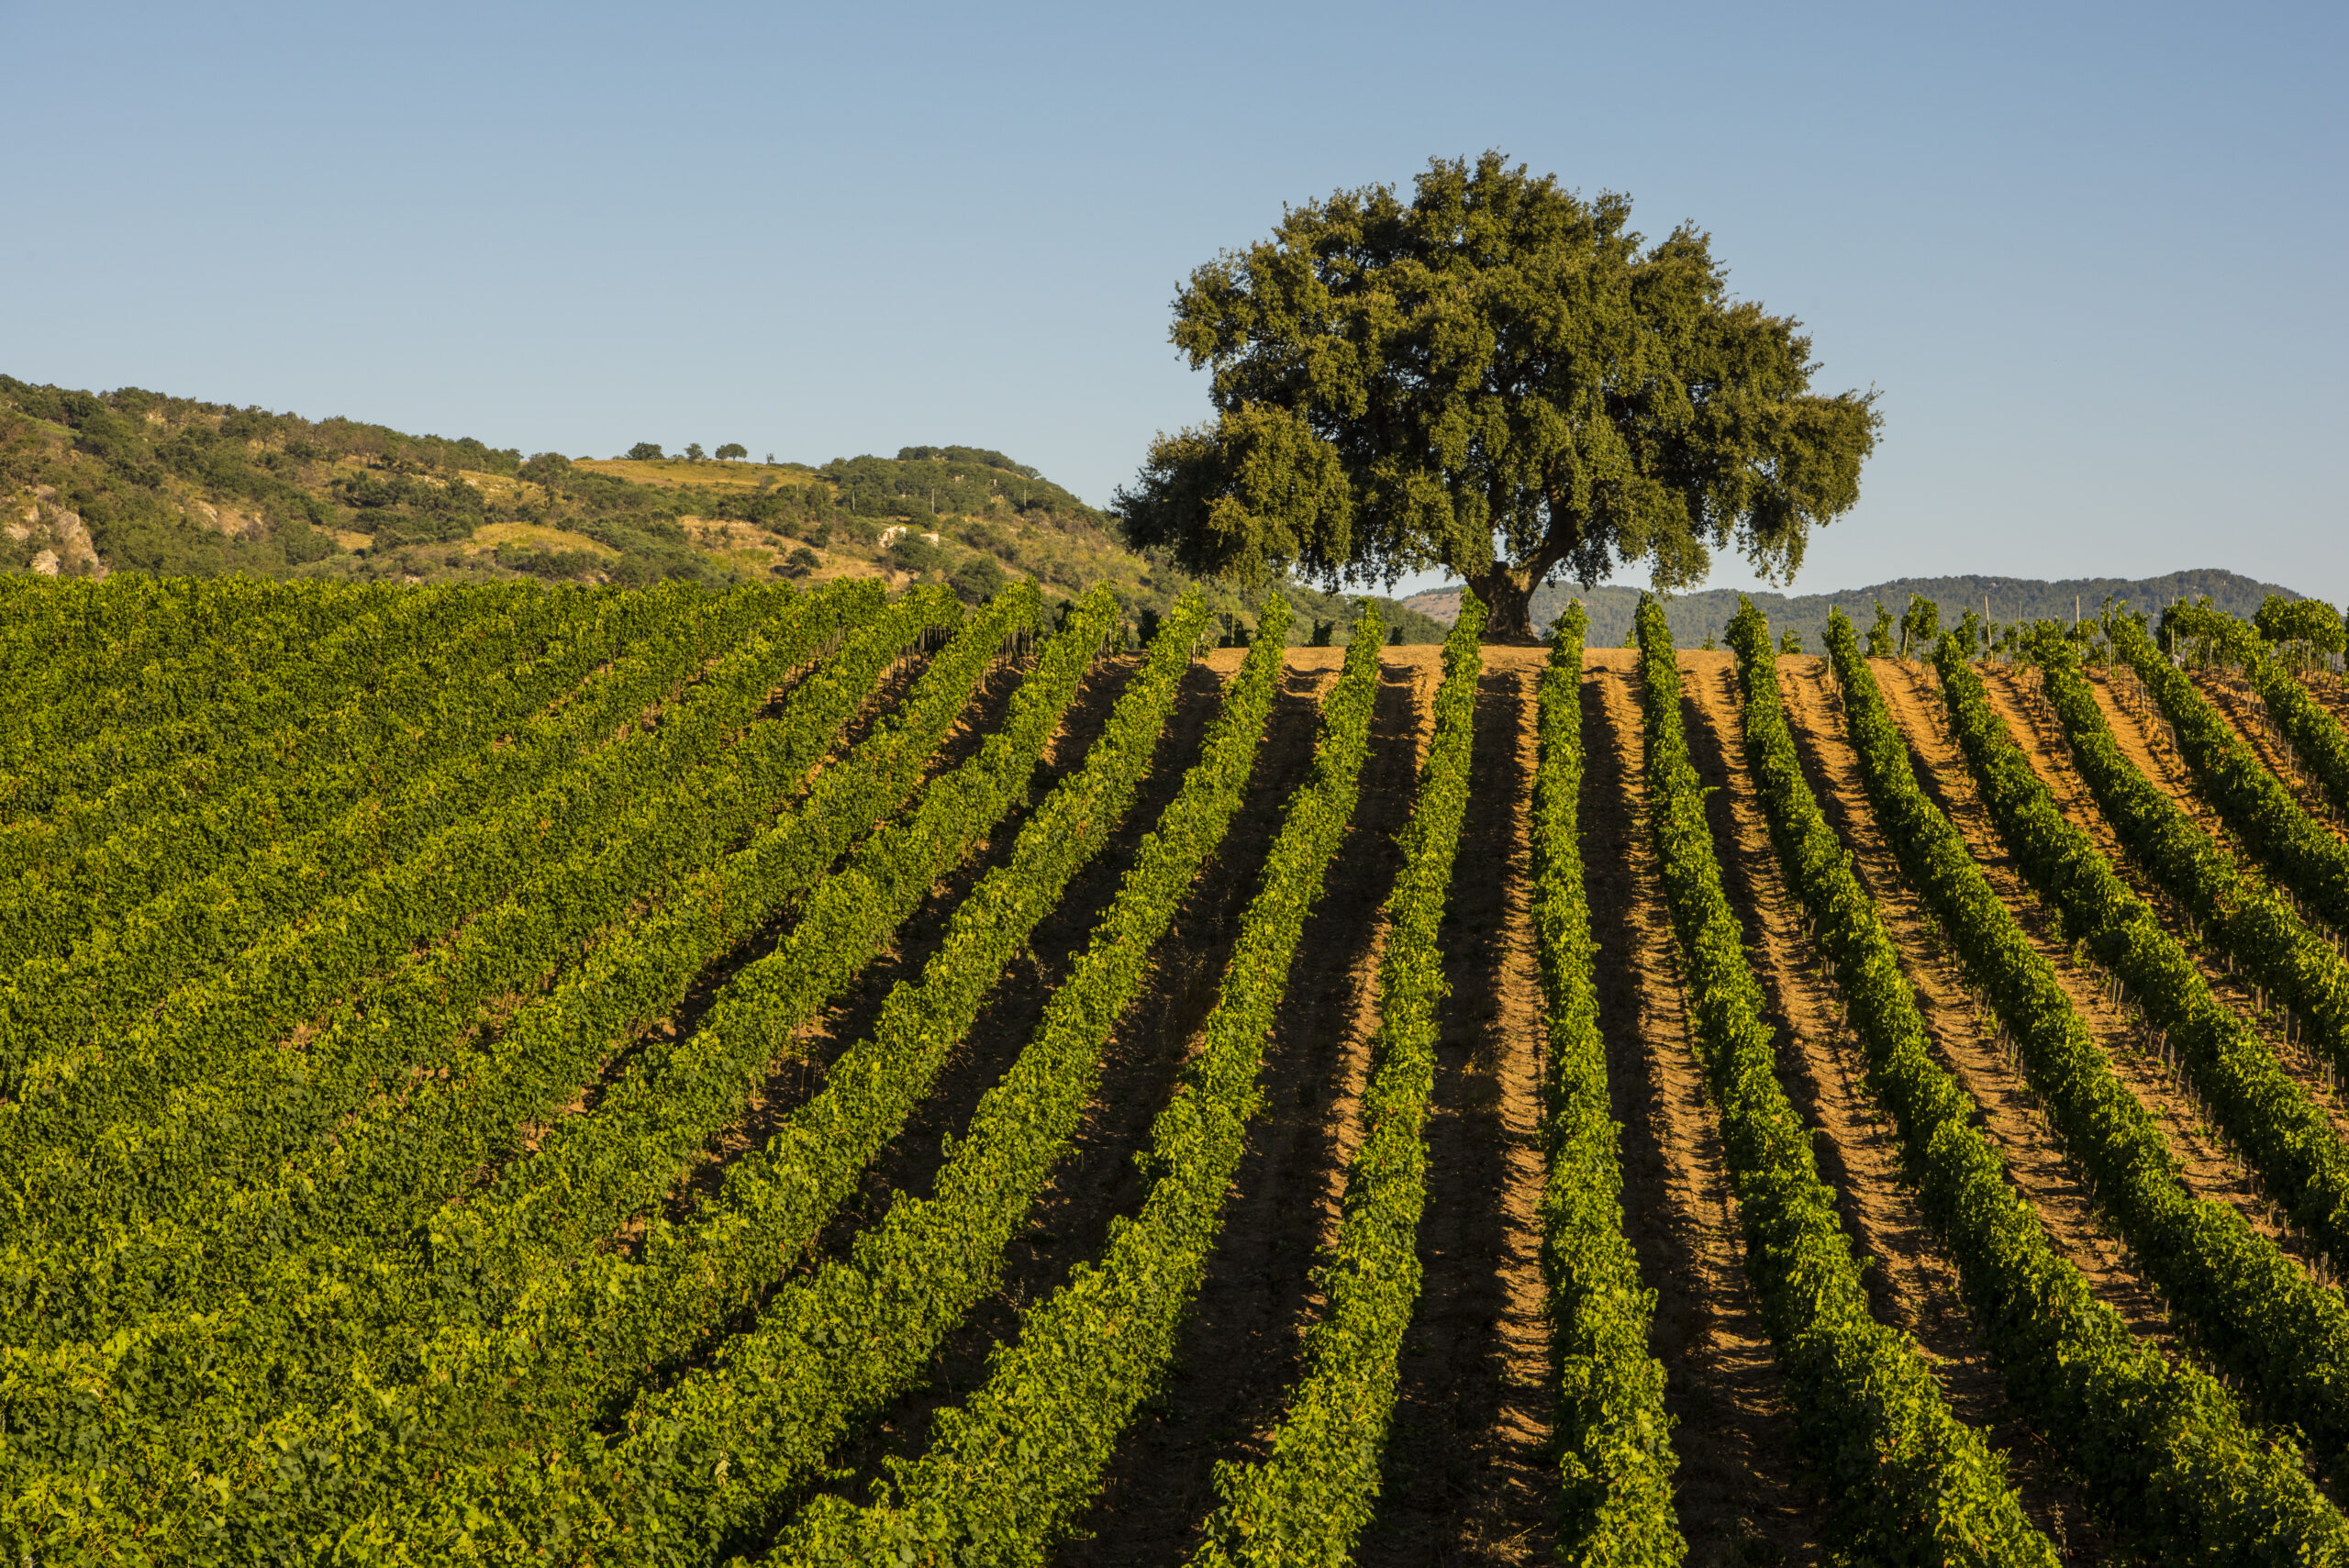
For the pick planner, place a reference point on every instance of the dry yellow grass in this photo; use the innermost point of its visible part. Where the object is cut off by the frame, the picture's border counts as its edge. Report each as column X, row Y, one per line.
column 536, row 535
column 673, row 472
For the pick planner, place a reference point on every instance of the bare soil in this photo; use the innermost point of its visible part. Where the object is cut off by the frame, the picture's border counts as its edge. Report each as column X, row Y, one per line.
column 1240, row 1349
column 1962, row 1034
column 1913, row 1284
column 2234, row 699
column 2042, row 738
column 1467, row 1479
column 2205, row 1166
column 1741, row 1494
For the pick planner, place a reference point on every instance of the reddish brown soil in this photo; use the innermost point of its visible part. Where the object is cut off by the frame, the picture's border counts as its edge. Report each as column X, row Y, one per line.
column 1912, row 1283
column 1963, row 1035
column 2206, row 1167
column 1466, row 1478
column 2331, row 692
column 2233, row 697
column 2041, row 737
column 1741, row 1493
column 1239, row 1349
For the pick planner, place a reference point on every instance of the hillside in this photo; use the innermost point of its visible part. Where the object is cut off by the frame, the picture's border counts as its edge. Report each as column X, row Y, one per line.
column 1697, row 617
column 130, row 480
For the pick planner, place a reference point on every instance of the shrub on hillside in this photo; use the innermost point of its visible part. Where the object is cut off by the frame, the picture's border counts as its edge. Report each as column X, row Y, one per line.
column 977, row 580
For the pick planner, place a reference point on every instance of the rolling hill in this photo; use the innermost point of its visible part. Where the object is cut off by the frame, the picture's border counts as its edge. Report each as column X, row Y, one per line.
column 129, row 479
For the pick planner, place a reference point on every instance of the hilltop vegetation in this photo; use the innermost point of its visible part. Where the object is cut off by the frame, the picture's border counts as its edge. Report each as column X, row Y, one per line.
column 137, row 481
column 1697, row 617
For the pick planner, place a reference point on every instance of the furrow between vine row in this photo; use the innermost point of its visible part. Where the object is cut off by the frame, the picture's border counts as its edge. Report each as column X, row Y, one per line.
column 718, row 1450
column 2315, row 734
column 1615, row 1456
column 1009, row 1468
column 2234, row 912
column 2254, row 1312
column 2166, row 1456
column 2299, row 851
column 1908, row 1479
column 2288, row 1138
column 1310, row 1496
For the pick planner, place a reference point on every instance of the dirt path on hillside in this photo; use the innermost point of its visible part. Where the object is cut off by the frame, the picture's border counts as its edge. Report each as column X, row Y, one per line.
column 1963, row 1034
column 1913, row 1284
column 1239, row 1348
column 1464, row 1479
column 2204, row 1165
column 2042, row 738
column 1741, row 1493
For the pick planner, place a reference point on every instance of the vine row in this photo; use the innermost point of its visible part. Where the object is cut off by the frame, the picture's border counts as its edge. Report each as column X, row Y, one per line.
column 1911, row 1482
column 2162, row 1450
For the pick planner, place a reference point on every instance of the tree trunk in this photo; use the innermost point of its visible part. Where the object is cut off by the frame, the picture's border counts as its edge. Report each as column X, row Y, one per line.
column 1507, row 593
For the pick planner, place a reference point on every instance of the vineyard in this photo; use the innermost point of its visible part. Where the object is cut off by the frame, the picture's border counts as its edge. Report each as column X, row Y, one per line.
column 810, row 1074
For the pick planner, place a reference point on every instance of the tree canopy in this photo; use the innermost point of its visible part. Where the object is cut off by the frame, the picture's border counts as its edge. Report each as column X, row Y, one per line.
column 2312, row 621
column 1498, row 377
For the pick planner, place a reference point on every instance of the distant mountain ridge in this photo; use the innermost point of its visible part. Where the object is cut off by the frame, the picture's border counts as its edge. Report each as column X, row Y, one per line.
column 1695, row 616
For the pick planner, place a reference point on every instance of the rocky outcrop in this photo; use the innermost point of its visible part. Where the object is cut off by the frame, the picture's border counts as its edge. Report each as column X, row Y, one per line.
column 53, row 539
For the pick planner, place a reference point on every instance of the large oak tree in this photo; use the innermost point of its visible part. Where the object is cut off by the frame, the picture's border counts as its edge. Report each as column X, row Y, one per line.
column 1498, row 377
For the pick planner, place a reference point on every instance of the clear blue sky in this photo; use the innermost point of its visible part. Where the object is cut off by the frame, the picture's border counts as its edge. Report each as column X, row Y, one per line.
column 2092, row 258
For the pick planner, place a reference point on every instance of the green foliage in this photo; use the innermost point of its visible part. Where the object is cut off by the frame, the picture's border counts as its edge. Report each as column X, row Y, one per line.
column 1009, row 1469
column 2246, row 1299
column 1921, row 623
column 2301, row 852
column 2167, row 1459
column 733, row 451
column 645, row 451
column 2242, row 919
column 2242, row 1289
column 974, row 457
column 977, row 580
column 801, row 561
column 1499, row 377
column 1789, row 643
column 922, row 481
column 1911, row 1482
column 1615, row 1458
column 694, row 452
column 913, row 553
column 1880, row 640
column 1971, row 635
column 697, row 1454
column 643, row 976
column 1310, row 1498
column 137, row 808
column 2309, row 622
